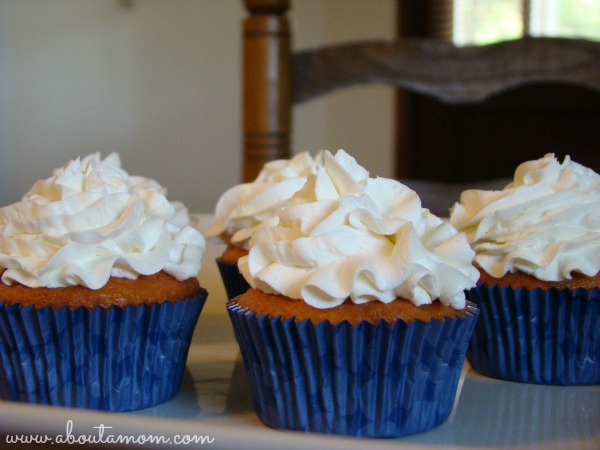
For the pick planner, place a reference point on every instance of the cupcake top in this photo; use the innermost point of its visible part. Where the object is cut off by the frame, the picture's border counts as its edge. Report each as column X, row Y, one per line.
column 345, row 235
column 545, row 223
column 246, row 207
column 91, row 221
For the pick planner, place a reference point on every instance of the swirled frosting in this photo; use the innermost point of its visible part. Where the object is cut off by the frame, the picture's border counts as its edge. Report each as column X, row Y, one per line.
column 545, row 223
column 345, row 235
column 244, row 208
column 91, row 221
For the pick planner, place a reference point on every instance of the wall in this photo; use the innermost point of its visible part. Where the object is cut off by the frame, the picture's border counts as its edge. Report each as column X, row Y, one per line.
column 158, row 81
column 358, row 119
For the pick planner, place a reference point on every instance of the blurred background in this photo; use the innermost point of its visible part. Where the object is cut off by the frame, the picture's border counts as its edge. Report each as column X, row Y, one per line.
column 159, row 82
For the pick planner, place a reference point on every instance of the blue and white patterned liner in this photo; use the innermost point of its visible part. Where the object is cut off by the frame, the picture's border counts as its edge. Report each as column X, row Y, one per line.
column 234, row 281
column 369, row 380
column 536, row 336
column 115, row 359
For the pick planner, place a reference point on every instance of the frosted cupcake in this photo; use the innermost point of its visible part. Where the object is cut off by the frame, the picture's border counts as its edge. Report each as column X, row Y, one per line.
column 99, row 294
column 356, row 322
column 537, row 243
column 244, row 208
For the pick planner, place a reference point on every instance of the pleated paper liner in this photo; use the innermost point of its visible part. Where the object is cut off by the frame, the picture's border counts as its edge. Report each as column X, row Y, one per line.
column 115, row 359
column 369, row 380
column 536, row 336
column 235, row 283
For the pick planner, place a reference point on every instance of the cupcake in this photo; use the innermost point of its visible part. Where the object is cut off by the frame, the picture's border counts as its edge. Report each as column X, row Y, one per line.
column 99, row 294
column 247, row 207
column 537, row 243
column 356, row 321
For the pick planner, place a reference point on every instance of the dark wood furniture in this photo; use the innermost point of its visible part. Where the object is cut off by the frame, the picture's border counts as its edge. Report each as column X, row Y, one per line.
column 274, row 78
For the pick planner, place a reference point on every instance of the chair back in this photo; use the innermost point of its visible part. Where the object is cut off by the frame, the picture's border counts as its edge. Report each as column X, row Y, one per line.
column 274, row 78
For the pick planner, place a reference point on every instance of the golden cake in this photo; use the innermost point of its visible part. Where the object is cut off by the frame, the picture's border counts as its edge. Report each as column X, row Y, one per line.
column 122, row 292
column 274, row 305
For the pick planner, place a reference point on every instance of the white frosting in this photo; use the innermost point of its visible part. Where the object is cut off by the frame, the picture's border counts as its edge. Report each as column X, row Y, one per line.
column 545, row 223
column 345, row 235
column 246, row 207
column 91, row 221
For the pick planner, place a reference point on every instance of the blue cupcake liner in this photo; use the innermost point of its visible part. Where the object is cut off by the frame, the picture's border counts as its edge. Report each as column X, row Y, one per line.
column 383, row 380
column 234, row 281
column 114, row 359
column 536, row 336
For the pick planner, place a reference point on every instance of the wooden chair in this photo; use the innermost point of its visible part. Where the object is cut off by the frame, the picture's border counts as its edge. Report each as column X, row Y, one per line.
column 274, row 78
